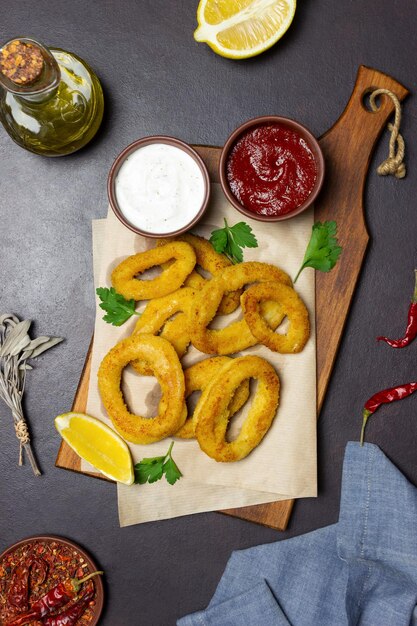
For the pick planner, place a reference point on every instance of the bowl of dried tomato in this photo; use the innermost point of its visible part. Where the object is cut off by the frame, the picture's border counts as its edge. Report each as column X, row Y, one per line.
column 50, row 580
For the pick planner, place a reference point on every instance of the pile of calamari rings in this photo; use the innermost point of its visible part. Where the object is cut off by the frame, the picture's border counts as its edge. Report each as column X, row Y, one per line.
column 182, row 305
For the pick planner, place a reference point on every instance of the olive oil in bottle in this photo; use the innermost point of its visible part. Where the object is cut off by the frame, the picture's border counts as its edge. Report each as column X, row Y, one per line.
column 51, row 102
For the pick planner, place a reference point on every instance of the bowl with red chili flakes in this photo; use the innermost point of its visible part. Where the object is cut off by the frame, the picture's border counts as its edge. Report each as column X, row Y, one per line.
column 271, row 168
column 37, row 574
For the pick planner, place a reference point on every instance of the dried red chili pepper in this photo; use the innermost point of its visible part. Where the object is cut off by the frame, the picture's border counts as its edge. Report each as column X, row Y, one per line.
column 41, row 568
column 18, row 594
column 56, row 598
column 385, row 397
column 411, row 330
column 71, row 615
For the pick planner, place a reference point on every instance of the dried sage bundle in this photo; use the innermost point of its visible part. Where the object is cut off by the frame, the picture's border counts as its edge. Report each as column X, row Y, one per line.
column 16, row 347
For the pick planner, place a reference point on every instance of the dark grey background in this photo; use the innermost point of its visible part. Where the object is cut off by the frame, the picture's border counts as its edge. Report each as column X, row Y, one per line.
column 158, row 80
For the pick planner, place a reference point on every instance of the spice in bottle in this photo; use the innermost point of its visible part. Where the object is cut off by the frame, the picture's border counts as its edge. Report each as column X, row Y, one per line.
column 51, row 101
column 21, row 62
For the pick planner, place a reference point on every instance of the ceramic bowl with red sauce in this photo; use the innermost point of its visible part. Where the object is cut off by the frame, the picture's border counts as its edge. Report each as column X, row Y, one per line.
column 271, row 168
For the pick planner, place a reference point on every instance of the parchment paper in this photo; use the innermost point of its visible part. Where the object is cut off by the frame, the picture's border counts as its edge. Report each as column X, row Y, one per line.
column 284, row 464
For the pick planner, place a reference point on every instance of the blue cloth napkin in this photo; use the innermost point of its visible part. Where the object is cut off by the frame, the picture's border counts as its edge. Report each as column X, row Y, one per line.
column 360, row 571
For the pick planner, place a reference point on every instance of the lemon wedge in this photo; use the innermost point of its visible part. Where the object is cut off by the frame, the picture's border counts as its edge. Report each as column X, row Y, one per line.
column 239, row 29
column 97, row 444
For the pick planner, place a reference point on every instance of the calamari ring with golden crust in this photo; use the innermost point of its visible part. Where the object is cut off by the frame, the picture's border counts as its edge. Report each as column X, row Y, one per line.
column 294, row 308
column 155, row 317
column 212, row 413
column 163, row 360
column 211, row 261
column 177, row 332
column 197, row 377
column 237, row 336
column 123, row 276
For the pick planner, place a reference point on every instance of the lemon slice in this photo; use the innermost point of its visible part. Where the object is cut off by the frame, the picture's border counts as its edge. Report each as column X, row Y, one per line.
column 239, row 29
column 97, row 444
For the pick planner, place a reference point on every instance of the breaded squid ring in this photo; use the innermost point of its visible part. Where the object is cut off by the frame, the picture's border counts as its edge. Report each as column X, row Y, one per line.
column 163, row 360
column 294, row 308
column 177, row 332
column 155, row 316
column 197, row 377
column 123, row 276
column 211, row 261
column 212, row 412
column 237, row 336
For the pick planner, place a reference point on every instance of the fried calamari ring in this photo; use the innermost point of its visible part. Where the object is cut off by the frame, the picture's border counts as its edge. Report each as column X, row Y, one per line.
column 197, row 377
column 163, row 360
column 237, row 336
column 177, row 332
column 123, row 276
column 155, row 317
column 294, row 308
column 212, row 412
column 211, row 261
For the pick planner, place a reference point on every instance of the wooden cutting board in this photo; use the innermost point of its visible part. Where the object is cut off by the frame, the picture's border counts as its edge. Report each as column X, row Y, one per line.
column 347, row 149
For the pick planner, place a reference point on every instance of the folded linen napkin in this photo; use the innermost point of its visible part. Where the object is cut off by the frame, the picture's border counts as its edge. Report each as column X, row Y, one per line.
column 362, row 570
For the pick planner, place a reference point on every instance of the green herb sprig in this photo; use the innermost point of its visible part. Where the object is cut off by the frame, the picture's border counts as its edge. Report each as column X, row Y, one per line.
column 230, row 240
column 323, row 250
column 151, row 470
column 118, row 309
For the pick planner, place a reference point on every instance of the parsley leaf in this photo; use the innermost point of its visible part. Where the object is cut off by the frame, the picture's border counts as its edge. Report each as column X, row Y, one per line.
column 323, row 250
column 172, row 473
column 148, row 470
column 151, row 470
column 117, row 308
column 231, row 239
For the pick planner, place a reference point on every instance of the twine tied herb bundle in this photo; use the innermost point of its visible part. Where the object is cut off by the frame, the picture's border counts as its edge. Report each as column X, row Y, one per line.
column 16, row 347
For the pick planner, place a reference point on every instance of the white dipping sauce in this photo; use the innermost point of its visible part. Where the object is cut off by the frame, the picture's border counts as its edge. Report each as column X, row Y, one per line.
column 159, row 188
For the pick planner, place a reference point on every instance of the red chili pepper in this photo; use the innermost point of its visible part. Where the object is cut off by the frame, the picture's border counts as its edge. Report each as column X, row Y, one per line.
column 41, row 568
column 411, row 330
column 385, row 397
column 19, row 587
column 18, row 595
column 70, row 616
column 56, row 598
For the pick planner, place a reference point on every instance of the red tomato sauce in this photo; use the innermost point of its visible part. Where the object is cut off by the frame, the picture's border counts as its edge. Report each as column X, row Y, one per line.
column 271, row 170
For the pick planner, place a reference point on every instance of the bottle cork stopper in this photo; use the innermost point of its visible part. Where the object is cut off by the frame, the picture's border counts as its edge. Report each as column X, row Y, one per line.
column 21, row 62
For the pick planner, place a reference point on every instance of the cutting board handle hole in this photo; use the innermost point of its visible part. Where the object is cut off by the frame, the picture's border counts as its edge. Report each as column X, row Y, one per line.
column 365, row 100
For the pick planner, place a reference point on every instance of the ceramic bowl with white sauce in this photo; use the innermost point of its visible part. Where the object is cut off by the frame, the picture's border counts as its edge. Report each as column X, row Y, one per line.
column 158, row 186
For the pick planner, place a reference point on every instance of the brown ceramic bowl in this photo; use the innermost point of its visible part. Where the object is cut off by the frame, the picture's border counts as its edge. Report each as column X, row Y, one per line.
column 92, row 567
column 140, row 143
column 309, row 139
